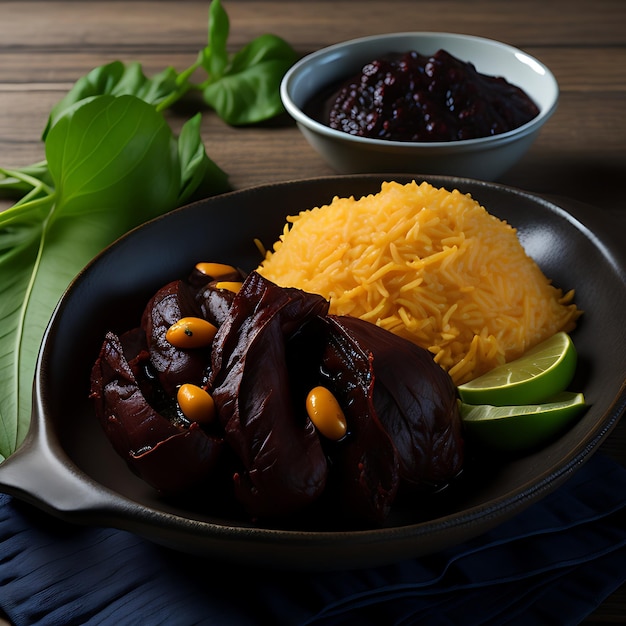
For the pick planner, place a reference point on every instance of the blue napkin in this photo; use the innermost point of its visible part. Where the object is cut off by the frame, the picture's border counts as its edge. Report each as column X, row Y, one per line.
column 552, row 564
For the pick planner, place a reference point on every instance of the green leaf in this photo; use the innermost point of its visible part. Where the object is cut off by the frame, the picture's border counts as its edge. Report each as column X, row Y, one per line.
column 260, row 50
column 118, row 79
column 113, row 147
column 115, row 164
column 18, row 252
column 214, row 57
column 200, row 176
column 249, row 91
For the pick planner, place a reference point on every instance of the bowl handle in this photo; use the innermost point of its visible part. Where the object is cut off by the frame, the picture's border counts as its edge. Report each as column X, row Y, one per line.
column 40, row 473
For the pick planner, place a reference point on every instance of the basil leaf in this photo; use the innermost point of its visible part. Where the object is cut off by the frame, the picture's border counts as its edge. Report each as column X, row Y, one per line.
column 118, row 144
column 214, row 57
column 260, row 50
column 115, row 164
column 249, row 90
column 200, row 176
column 118, row 79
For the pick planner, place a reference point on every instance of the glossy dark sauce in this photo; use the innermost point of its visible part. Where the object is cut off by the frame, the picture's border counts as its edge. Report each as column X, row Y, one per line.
column 413, row 97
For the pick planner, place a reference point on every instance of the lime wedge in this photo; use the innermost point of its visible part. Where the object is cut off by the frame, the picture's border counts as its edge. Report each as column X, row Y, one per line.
column 518, row 428
column 538, row 374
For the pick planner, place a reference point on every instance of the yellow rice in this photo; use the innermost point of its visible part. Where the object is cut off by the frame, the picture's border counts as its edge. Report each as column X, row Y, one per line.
column 428, row 264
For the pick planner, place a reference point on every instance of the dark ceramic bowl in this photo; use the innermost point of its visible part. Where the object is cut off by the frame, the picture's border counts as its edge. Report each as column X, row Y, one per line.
column 68, row 468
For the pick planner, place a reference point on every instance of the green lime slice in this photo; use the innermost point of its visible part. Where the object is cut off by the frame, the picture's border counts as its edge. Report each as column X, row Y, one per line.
column 538, row 374
column 518, row 428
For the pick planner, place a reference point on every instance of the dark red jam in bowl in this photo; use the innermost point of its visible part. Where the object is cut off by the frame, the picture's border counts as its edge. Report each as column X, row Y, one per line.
column 413, row 97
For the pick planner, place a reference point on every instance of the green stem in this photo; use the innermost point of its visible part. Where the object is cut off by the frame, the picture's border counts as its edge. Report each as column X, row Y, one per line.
column 26, row 178
column 183, row 86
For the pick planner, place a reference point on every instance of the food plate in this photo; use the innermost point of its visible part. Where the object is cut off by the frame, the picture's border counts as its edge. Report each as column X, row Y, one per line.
column 68, row 468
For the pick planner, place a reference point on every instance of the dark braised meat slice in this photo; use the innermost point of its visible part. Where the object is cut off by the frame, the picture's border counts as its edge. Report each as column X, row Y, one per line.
column 170, row 457
column 283, row 465
column 365, row 463
column 415, row 400
column 173, row 366
column 215, row 303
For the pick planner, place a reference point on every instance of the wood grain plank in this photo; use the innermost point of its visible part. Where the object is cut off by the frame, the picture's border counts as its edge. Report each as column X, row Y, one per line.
column 310, row 23
column 587, row 70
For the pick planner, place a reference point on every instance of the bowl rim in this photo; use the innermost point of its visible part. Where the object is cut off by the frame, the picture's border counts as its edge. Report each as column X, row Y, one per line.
column 313, row 125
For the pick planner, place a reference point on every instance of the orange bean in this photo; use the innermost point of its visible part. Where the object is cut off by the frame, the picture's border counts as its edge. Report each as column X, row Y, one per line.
column 325, row 413
column 229, row 285
column 215, row 270
column 196, row 403
column 191, row 332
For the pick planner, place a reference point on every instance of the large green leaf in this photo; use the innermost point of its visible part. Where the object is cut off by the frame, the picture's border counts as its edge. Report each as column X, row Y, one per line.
column 119, row 79
column 115, row 164
column 118, row 151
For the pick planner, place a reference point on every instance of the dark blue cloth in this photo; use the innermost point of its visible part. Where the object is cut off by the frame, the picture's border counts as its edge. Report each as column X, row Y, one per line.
column 552, row 564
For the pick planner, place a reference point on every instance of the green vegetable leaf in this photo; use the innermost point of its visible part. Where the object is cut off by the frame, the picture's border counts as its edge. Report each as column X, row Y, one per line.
column 262, row 50
column 249, row 91
column 214, row 57
column 117, row 144
column 200, row 176
column 115, row 164
column 245, row 88
column 118, row 79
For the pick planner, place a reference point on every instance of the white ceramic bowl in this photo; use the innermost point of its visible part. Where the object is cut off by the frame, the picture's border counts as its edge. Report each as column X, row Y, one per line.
column 484, row 158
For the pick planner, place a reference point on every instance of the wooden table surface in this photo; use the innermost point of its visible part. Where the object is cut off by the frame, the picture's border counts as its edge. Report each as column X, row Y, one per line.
column 581, row 152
